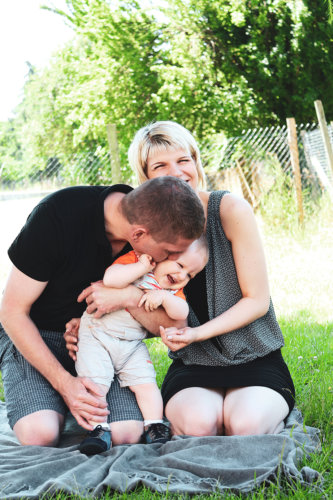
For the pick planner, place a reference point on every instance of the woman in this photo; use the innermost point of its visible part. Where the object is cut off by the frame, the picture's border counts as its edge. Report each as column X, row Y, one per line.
column 227, row 375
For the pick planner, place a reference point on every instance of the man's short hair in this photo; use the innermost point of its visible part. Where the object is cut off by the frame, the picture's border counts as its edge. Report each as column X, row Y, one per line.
column 167, row 207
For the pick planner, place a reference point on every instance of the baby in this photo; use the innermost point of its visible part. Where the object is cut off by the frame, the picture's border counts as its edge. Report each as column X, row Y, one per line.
column 114, row 343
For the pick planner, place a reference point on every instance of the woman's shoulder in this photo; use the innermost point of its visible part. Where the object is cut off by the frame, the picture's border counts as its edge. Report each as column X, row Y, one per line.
column 229, row 204
column 233, row 203
column 236, row 214
column 231, row 210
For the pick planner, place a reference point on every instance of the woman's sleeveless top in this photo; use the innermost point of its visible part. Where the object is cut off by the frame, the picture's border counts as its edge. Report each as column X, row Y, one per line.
column 257, row 339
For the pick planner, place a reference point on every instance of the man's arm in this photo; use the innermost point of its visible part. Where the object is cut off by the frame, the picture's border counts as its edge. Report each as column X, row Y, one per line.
column 101, row 300
column 20, row 293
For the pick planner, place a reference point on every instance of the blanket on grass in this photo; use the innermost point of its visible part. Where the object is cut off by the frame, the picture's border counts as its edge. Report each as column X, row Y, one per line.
column 192, row 465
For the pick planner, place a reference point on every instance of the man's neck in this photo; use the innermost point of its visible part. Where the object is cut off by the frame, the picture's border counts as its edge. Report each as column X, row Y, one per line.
column 116, row 225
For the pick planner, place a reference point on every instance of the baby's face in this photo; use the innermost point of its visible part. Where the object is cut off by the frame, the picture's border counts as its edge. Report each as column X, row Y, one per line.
column 174, row 274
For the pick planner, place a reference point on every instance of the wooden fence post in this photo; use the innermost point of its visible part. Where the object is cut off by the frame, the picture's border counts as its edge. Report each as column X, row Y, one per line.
column 247, row 193
column 292, row 141
column 114, row 153
column 324, row 132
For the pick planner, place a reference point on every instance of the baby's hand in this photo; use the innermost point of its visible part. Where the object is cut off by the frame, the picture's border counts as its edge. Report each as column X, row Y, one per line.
column 147, row 261
column 152, row 299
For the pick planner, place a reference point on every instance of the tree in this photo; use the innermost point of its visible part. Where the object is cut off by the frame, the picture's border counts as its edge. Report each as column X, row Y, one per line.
column 106, row 76
column 216, row 66
column 271, row 59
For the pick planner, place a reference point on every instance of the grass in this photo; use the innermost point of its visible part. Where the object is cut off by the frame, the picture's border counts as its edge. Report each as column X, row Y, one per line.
column 300, row 267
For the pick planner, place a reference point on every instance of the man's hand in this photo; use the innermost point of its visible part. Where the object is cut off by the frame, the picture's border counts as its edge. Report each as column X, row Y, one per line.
column 71, row 337
column 82, row 397
column 101, row 299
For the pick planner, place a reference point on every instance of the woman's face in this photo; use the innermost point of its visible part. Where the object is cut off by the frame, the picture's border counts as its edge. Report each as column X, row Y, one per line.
column 177, row 163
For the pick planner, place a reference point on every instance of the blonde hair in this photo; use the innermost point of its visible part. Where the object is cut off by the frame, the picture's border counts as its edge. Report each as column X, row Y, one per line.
column 161, row 136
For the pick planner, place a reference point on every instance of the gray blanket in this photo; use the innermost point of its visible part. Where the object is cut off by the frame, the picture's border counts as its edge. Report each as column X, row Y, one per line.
column 183, row 465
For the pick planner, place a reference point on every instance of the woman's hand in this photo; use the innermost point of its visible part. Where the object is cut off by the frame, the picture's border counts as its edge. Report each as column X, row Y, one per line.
column 71, row 337
column 176, row 339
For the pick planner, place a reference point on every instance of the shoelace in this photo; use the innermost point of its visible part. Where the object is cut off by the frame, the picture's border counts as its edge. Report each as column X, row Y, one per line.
column 158, row 431
column 97, row 432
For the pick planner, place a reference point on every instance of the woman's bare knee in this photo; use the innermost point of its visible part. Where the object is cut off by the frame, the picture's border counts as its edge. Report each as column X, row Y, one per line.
column 200, row 425
column 126, row 432
column 254, row 410
column 41, row 428
column 244, row 425
column 195, row 412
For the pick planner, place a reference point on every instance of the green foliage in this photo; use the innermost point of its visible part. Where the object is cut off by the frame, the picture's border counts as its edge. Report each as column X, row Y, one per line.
column 102, row 77
column 278, row 205
column 262, row 61
column 10, row 154
column 216, row 66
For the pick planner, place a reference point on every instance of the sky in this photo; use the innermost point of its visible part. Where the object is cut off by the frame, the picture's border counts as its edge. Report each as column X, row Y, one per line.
column 27, row 33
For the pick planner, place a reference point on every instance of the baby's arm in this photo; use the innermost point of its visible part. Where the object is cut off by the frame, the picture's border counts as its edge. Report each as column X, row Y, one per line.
column 175, row 307
column 122, row 275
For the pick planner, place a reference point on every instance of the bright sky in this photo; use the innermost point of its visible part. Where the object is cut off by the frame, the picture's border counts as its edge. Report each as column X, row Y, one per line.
column 27, row 33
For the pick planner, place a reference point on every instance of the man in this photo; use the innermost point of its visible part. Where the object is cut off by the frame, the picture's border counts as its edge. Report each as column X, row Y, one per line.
column 67, row 242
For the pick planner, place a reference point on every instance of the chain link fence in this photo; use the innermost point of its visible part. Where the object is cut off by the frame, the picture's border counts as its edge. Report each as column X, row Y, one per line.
column 251, row 162
column 60, row 171
column 248, row 164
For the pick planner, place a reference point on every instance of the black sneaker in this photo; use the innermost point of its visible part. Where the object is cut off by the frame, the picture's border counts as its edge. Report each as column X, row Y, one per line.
column 156, row 433
column 97, row 441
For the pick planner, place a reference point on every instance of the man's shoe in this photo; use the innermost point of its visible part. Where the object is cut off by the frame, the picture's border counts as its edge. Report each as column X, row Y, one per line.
column 156, row 433
column 97, row 441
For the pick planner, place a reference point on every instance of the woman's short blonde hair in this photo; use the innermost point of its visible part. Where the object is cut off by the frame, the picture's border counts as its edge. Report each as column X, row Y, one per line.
column 161, row 136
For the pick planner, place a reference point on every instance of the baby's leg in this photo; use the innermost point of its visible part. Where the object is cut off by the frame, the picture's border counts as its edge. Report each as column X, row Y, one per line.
column 93, row 361
column 103, row 390
column 150, row 401
column 99, row 439
column 138, row 373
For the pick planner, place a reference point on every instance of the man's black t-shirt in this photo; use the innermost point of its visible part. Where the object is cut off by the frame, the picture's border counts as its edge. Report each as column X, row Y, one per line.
column 64, row 243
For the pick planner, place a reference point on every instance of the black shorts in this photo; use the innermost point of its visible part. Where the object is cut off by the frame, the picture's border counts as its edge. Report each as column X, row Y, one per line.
column 27, row 391
column 269, row 371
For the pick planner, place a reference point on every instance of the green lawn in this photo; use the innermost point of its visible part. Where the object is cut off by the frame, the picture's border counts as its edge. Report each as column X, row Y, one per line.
column 300, row 265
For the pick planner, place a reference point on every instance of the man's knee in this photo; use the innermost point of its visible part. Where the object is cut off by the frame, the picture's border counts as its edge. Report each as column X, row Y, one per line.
column 126, row 432
column 38, row 431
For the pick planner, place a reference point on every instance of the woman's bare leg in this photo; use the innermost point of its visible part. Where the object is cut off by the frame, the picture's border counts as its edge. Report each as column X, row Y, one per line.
column 253, row 410
column 196, row 411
